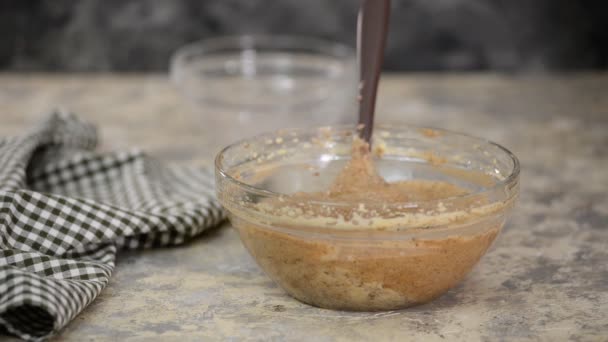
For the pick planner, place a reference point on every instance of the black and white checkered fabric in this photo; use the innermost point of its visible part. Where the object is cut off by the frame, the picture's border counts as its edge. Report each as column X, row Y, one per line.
column 65, row 211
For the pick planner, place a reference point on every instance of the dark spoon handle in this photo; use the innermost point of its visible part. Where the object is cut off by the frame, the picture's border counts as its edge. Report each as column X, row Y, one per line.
column 372, row 28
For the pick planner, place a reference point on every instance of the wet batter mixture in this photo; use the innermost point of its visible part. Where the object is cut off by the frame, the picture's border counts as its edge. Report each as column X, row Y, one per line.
column 367, row 273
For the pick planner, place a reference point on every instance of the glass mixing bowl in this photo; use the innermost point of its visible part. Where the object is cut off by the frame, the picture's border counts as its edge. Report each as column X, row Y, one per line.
column 242, row 85
column 376, row 262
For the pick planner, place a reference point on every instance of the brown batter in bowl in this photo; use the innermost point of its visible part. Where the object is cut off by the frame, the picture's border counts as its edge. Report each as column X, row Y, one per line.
column 356, row 241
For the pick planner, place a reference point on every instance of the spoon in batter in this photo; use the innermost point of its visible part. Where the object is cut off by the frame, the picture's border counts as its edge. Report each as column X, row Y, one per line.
column 372, row 27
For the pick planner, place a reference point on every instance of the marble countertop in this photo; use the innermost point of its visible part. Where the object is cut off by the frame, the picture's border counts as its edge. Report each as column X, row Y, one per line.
column 546, row 277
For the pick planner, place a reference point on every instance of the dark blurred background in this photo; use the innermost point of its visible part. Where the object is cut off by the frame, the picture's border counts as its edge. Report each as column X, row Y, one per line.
column 140, row 35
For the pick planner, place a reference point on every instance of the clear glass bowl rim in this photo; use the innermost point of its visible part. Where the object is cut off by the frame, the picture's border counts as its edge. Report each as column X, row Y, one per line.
column 510, row 182
column 182, row 59
column 250, row 41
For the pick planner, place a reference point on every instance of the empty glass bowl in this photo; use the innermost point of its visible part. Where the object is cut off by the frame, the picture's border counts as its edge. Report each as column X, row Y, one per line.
column 371, row 255
column 243, row 85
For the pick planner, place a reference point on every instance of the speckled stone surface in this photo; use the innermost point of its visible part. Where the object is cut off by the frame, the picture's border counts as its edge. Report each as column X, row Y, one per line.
column 546, row 277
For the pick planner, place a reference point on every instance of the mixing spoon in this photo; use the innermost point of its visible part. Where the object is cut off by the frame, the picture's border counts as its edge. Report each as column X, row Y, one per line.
column 372, row 28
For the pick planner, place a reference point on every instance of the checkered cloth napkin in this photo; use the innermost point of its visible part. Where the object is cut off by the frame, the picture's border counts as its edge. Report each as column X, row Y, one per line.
column 66, row 210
